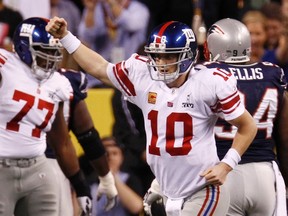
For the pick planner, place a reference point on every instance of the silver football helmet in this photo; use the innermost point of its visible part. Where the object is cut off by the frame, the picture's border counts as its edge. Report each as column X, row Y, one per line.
column 229, row 41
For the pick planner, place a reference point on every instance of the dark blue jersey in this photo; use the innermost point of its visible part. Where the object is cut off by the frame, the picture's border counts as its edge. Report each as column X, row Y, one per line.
column 261, row 86
column 78, row 81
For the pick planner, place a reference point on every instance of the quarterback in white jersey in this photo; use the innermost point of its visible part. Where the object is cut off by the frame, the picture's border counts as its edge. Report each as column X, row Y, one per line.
column 179, row 121
column 180, row 106
column 31, row 108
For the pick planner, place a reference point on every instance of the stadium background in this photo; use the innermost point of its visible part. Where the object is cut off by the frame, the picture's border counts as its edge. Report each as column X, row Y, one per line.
column 99, row 106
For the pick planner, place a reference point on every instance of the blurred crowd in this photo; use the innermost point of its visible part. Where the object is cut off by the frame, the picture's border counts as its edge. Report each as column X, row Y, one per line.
column 118, row 28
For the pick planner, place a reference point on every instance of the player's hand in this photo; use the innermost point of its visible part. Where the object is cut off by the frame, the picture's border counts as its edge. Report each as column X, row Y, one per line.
column 107, row 187
column 217, row 174
column 82, row 191
column 85, row 203
column 153, row 194
column 57, row 27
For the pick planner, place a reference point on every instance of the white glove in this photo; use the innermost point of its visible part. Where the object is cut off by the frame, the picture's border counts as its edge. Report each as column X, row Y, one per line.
column 107, row 187
column 153, row 194
column 86, row 205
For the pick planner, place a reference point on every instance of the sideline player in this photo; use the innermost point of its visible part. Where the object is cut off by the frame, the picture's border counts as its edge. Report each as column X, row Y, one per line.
column 180, row 106
column 81, row 124
column 31, row 109
column 263, row 89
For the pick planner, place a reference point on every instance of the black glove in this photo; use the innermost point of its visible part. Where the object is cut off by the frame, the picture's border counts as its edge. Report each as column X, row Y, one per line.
column 83, row 193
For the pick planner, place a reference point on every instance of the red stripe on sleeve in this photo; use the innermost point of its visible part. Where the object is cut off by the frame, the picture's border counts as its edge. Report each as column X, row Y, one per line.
column 230, row 96
column 121, row 75
column 2, row 59
column 231, row 103
column 228, row 112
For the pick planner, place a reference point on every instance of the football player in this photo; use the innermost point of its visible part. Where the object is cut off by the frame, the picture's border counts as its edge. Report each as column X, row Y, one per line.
column 180, row 106
column 81, row 124
column 262, row 87
column 31, row 101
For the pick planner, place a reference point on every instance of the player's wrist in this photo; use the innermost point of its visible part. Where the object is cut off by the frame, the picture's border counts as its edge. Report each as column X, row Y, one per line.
column 231, row 158
column 70, row 42
column 80, row 185
column 107, row 179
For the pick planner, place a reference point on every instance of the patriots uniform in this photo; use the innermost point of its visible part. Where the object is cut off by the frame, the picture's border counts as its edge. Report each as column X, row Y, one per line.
column 78, row 81
column 25, row 103
column 189, row 111
column 261, row 86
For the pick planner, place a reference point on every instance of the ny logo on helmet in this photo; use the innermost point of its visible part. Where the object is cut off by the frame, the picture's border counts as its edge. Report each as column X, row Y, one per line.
column 190, row 36
column 27, row 30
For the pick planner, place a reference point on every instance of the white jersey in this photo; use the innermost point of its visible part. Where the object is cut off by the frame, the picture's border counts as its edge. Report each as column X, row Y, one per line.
column 27, row 108
column 180, row 121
